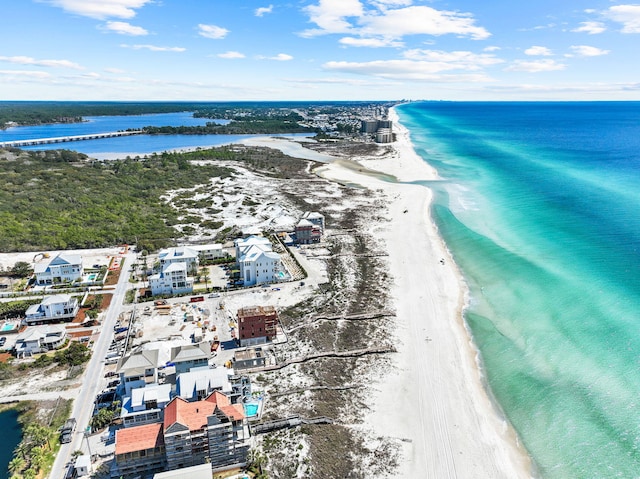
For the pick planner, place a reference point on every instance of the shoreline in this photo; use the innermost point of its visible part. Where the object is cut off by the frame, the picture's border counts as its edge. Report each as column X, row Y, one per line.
column 437, row 379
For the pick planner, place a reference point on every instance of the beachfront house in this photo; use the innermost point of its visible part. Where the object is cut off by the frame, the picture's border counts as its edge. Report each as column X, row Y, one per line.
column 257, row 262
column 145, row 405
column 199, row 383
column 139, row 451
column 56, row 308
column 307, row 232
column 210, row 252
column 212, row 430
column 248, row 358
column 181, row 254
column 191, row 433
column 138, row 369
column 172, row 279
column 189, row 356
column 256, row 325
column 39, row 339
column 64, row 268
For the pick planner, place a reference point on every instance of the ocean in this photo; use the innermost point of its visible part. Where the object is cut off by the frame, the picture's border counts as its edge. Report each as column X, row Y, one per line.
column 539, row 204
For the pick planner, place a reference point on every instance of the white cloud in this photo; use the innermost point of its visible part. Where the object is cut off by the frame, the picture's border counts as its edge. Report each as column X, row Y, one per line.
column 262, row 10
column 330, row 16
column 592, row 28
column 370, row 42
column 114, row 70
column 538, row 51
column 154, row 48
column 101, row 9
column 24, row 73
column 453, row 60
column 405, row 70
column 124, row 28
column 280, row 57
column 22, row 60
column 340, row 81
column 491, row 49
column 535, row 66
column 421, row 20
column 628, row 15
column 212, row 31
column 587, row 51
column 231, row 55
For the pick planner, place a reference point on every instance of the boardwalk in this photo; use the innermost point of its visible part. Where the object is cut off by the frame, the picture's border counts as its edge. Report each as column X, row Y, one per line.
column 64, row 139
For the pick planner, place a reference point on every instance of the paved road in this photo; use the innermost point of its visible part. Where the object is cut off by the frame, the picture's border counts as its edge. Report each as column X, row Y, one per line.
column 93, row 375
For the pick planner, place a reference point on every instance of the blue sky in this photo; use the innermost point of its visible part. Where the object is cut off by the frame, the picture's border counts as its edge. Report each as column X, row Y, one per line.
column 319, row 50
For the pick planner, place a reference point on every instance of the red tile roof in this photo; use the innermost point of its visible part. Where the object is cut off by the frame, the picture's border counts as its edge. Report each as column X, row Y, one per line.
column 194, row 414
column 139, row 438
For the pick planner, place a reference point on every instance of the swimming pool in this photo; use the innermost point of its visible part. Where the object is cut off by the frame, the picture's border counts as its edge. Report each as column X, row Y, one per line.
column 280, row 274
column 8, row 327
column 251, row 409
column 92, row 277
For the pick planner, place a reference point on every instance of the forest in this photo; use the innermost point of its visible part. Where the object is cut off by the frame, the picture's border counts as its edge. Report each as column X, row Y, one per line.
column 239, row 125
column 60, row 199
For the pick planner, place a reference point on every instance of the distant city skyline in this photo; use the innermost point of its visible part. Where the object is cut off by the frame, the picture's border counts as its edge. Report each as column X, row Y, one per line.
column 223, row 50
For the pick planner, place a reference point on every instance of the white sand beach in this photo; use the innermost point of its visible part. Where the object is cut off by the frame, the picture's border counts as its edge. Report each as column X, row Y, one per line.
column 433, row 401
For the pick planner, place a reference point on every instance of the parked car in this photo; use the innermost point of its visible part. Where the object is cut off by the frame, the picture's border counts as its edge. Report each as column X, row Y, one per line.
column 110, row 374
column 3, row 340
column 214, row 295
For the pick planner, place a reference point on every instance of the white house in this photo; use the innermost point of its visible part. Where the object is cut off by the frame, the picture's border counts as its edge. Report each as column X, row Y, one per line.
column 39, row 339
column 138, row 369
column 145, row 405
column 172, row 279
column 188, row 356
column 181, row 254
column 210, row 251
column 198, row 383
column 63, row 268
column 59, row 307
column 257, row 262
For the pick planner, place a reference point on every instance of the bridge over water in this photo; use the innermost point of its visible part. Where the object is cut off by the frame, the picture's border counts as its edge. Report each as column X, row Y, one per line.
column 64, row 139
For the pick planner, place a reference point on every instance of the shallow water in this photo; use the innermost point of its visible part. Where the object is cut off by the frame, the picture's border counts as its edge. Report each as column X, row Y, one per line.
column 540, row 206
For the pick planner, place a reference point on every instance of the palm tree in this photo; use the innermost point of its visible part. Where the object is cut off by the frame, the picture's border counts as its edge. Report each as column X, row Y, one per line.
column 17, row 465
column 37, row 458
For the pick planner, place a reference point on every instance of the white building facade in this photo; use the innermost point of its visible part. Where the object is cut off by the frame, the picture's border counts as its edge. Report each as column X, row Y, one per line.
column 64, row 268
column 257, row 262
column 59, row 307
column 172, row 279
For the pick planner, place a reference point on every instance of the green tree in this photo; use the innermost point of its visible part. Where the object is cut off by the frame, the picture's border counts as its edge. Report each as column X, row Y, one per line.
column 16, row 465
column 37, row 458
column 74, row 355
column 22, row 269
column 102, row 419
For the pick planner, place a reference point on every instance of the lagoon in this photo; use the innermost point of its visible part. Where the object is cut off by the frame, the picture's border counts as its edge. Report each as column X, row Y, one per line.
column 12, row 435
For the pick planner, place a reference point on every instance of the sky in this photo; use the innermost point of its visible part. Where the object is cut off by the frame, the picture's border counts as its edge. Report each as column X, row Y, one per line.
column 225, row 50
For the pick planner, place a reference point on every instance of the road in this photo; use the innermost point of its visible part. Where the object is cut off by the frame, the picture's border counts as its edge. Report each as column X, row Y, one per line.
column 93, row 378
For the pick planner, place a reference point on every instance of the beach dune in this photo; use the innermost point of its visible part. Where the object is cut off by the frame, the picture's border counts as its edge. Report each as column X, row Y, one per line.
column 433, row 402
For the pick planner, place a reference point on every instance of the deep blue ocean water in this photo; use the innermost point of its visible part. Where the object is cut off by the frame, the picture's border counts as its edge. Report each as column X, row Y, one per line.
column 539, row 204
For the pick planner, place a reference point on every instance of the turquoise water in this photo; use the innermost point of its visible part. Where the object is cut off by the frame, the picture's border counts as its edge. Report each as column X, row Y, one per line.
column 251, row 409
column 539, row 204
column 7, row 327
column 12, row 435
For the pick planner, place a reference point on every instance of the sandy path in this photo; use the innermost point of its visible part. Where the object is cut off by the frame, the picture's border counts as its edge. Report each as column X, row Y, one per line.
column 433, row 401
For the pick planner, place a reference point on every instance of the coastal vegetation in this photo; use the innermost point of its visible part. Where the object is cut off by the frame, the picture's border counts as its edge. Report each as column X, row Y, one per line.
column 60, row 199
column 40, row 422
